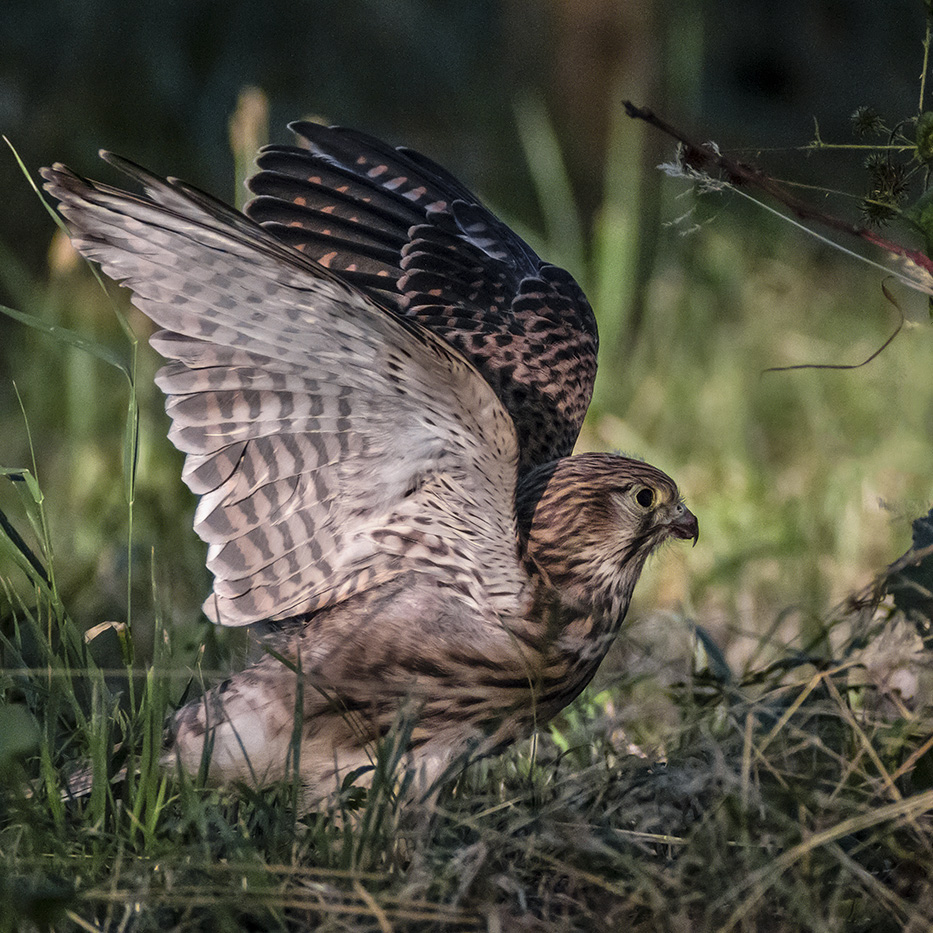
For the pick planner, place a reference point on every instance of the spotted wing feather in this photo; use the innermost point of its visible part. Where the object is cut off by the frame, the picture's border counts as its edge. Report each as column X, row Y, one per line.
column 404, row 230
column 333, row 445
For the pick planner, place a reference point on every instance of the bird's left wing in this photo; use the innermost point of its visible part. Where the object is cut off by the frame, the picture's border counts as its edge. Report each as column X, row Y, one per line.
column 333, row 444
column 406, row 232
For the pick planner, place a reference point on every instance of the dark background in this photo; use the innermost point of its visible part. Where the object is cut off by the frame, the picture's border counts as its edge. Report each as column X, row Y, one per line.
column 158, row 81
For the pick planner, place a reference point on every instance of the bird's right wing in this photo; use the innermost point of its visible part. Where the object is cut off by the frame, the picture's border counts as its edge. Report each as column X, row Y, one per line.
column 333, row 445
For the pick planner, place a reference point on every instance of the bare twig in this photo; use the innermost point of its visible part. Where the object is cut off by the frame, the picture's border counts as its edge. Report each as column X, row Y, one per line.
column 705, row 158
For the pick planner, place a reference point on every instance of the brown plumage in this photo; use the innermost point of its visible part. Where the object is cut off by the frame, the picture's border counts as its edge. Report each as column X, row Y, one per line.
column 420, row 546
column 407, row 233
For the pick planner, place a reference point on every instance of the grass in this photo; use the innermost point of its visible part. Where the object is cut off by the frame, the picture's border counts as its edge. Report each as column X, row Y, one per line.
column 770, row 770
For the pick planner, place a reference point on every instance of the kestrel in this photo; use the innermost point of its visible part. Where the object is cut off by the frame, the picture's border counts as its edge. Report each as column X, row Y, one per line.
column 377, row 386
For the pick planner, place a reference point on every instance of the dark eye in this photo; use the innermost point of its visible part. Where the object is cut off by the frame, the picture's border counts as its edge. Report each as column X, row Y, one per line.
column 645, row 497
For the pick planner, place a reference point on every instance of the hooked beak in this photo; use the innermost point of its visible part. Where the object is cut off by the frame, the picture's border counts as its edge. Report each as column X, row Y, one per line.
column 686, row 526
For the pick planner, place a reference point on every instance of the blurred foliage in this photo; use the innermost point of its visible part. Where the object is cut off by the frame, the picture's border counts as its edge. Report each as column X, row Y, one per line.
column 158, row 82
column 803, row 481
column 787, row 721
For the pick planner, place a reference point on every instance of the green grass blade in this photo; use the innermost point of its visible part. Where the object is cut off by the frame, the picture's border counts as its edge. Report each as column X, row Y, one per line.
column 70, row 338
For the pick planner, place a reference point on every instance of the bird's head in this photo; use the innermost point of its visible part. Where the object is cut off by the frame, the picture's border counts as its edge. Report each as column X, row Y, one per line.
column 589, row 522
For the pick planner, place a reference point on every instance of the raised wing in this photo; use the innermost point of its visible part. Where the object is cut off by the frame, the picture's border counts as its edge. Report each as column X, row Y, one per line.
column 333, row 444
column 404, row 230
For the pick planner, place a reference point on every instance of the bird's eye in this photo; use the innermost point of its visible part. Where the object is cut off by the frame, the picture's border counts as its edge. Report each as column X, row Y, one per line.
column 645, row 497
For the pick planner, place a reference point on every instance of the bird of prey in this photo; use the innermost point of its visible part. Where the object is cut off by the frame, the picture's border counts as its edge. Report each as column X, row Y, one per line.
column 377, row 386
